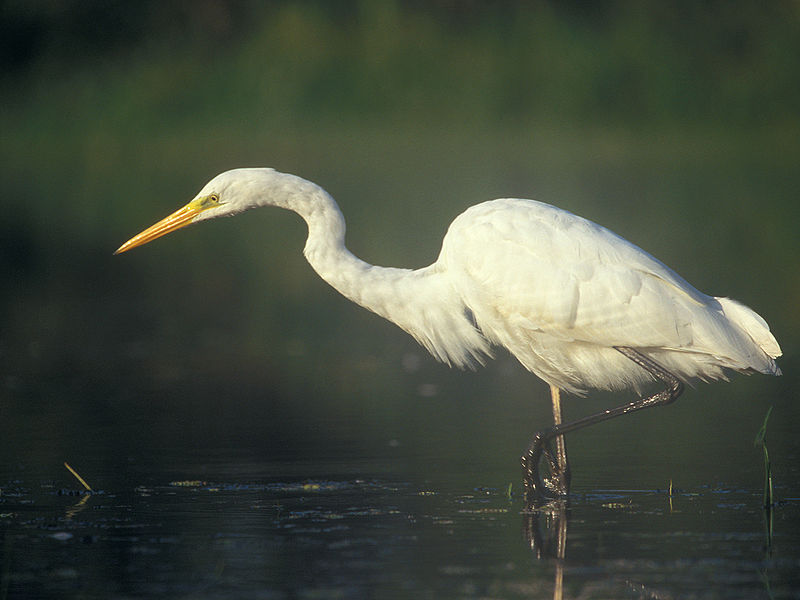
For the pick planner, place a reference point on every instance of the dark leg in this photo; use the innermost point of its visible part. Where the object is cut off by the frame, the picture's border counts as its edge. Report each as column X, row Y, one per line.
column 537, row 488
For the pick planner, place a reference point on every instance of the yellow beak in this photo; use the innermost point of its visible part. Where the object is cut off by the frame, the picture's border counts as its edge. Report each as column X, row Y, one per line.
column 180, row 218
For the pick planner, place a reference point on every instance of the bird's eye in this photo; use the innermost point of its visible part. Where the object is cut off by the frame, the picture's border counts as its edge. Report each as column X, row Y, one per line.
column 206, row 202
column 209, row 201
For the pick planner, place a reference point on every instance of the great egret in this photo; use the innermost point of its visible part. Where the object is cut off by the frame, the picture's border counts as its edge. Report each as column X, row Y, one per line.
column 576, row 304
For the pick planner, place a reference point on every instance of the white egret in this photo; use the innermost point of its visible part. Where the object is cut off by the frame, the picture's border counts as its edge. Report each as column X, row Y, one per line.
column 576, row 304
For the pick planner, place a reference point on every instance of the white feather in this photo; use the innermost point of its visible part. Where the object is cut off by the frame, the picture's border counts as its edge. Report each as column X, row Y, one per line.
column 558, row 291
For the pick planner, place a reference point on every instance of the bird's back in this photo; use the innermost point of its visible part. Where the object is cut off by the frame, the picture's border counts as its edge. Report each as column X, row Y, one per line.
column 560, row 292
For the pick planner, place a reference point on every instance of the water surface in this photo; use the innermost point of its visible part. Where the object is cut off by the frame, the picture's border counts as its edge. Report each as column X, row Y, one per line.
column 220, row 522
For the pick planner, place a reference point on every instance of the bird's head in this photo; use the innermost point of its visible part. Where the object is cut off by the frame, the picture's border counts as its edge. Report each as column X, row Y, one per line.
column 227, row 194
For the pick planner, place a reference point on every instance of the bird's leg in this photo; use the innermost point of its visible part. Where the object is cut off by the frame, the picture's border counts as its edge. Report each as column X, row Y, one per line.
column 554, row 455
column 558, row 479
column 536, row 488
column 561, row 444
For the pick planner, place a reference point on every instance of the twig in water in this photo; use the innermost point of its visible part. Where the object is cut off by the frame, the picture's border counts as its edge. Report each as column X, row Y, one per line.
column 78, row 477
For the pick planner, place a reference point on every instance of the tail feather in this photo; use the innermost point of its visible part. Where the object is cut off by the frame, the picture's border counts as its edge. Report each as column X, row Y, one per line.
column 756, row 328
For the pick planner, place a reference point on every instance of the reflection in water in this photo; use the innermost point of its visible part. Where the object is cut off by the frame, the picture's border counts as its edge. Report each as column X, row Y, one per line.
column 73, row 510
column 545, row 530
column 244, row 538
column 88, row 492
column 768, row 528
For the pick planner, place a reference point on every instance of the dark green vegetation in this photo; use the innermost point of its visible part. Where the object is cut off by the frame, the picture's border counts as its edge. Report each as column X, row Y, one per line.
column 649, row 63
column 676, row 125
column 761, row 440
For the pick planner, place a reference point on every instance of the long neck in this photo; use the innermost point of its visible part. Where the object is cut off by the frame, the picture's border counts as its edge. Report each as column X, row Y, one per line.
column 325, row 248
column 382, row 290
column 422, row 302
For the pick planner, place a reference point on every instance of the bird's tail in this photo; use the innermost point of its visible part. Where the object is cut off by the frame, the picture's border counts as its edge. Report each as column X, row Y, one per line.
column 757, row 329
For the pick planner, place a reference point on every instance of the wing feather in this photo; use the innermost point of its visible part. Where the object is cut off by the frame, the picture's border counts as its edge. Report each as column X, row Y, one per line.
column 565, row 276
column 560, row 292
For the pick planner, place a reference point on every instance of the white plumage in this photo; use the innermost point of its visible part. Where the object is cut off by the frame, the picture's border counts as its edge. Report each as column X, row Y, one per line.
column 559, row 292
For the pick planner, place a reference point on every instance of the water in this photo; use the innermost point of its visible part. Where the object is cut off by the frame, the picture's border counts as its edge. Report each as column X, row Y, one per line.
column 372, row 538
column 212, row 522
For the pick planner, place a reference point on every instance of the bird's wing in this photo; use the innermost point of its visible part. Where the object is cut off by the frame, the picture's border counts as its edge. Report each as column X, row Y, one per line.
column 524, row 265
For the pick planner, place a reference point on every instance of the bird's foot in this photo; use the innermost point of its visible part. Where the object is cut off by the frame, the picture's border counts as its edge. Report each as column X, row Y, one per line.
column 554, row 483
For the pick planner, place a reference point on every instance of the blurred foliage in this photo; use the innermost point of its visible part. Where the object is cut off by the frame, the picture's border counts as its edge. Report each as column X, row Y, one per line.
column 631, row 61
column 106, row 102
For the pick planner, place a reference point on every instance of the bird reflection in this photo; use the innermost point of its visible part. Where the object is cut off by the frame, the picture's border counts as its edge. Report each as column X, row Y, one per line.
column 545, row 530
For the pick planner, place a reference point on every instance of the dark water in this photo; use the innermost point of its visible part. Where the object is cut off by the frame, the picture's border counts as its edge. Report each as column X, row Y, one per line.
column 378, row 538
column 205, row 517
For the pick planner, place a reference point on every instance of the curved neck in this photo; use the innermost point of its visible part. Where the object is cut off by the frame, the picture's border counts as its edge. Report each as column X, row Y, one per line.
column 375, row 288
column 422, row 302
column 325, row 247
